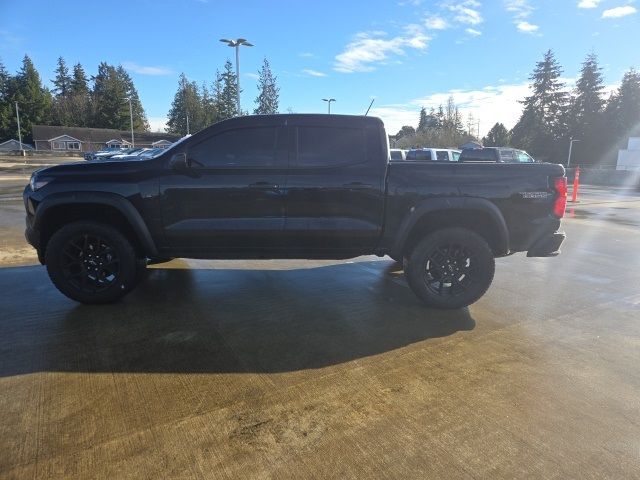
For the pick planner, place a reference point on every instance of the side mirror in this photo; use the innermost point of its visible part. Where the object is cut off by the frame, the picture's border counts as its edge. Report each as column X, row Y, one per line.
column 179, row 162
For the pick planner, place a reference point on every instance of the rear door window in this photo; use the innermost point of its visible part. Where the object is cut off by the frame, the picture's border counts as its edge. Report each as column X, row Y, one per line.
column 478, row 155
column 330, row 146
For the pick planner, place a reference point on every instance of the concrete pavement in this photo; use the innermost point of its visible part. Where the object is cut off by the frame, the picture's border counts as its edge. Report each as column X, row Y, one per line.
column 292, row 369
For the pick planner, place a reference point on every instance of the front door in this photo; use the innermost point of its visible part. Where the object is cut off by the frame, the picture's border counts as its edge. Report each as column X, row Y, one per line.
column 231, row 197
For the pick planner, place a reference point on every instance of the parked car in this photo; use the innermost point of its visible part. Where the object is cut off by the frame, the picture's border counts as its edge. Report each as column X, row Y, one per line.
column 291, row 186
column 433, row 154
column 496, row 154
column 397, row 154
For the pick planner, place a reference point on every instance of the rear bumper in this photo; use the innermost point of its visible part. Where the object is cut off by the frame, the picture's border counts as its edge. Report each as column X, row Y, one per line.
column 548, row 245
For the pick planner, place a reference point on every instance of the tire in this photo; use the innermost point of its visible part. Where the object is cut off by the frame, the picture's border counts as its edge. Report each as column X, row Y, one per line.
column 450, row 268
column 91, row 262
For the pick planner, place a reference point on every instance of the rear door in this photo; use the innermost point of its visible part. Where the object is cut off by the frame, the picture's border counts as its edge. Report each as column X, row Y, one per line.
column 335, row 189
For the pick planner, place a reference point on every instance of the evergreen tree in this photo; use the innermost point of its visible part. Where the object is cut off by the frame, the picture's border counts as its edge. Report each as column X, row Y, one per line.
column 405, row 131
column 34, row 100
column 498, row 136
column 586, row 120
column 140, row 123
column 622, row 114
column 187, row 107
column 79, row 98
column 6, row 82
column 62, row 104
column 542, row 124
column 112, row 87
column 268, row 98
column 422, row 122
column 226, row 92
column 62, row 81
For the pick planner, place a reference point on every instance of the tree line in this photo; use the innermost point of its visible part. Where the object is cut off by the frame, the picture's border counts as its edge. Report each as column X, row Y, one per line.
column 102, row 100
column 196, row 107
column 75, row 100
column 553, row 115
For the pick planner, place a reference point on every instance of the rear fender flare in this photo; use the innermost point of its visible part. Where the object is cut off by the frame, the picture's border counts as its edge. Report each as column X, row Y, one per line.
column 452, row 204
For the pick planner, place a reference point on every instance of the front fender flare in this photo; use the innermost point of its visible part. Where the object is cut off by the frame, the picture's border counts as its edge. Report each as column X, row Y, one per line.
column 118, row 202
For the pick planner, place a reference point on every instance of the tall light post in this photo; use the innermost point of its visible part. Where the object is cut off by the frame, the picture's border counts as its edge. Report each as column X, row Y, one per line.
column 131, row 120
column 329, row 100
column 19, row 132
column 237, row 43
column 571, row 140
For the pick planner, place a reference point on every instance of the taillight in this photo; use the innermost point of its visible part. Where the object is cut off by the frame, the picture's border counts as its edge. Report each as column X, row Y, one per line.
column 560, row 204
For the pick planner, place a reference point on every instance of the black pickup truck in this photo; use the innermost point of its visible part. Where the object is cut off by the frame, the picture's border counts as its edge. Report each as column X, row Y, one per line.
column 291, row 186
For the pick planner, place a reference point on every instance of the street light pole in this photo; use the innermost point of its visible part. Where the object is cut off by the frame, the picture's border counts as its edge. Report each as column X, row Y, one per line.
column 131, row 121
column 19, row 132
column 571, row 140
column 329, row 100
column 237, row 44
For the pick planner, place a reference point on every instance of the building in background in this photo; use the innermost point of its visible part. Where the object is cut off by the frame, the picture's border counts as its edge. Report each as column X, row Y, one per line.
column 80, row 139
column 13, row 146
column 629, row 159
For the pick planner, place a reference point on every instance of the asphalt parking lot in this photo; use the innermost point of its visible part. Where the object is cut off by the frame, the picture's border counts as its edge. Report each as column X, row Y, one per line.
column 300, row 369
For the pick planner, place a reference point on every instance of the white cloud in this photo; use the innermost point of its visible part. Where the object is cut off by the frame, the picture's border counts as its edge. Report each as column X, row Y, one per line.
column 146, row 70
column 466, row 12
column 473, row 31
column 370, row 48
column 520, row 8
column 618, row 12
column 527, row 27
column 435, row 22
column 157, row 124
column 588, row 3
column 306, row 55
column 313, row 73
column 488, row 105
column 255, row 76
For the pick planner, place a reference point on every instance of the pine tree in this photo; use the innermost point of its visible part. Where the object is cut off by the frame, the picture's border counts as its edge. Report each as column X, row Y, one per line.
column 6, row 82
column 226, row 92
column 498, row 136
column 623, row 109
column 422, row 122
column 542, row 124
column 79, row 98
column 140, row 123
column 34, row 99
column 268, row 98
column 187, row 107
column 62, row 81
column 62, row 104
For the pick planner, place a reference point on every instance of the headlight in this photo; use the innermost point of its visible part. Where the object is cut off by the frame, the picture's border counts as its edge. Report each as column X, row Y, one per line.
column 37, row 182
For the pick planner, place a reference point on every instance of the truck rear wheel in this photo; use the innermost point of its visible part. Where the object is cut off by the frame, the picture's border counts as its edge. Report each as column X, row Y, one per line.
column 91, row 262
column 450, row 268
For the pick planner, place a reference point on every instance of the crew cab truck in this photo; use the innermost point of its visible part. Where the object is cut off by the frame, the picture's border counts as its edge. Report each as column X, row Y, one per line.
column 291, row 186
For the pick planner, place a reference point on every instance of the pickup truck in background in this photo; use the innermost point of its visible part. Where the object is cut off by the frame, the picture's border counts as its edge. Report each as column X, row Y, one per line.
column 495, row 154
column 291, row 186
column 433, row 155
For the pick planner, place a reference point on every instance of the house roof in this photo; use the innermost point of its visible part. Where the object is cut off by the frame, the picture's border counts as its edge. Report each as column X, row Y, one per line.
column 15, row 144
column 162, row 141
column 68, row 137
column 97, row 135
column 118, row 140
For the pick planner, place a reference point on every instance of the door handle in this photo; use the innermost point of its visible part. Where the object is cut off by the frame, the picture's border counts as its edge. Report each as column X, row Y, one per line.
column 264, row 186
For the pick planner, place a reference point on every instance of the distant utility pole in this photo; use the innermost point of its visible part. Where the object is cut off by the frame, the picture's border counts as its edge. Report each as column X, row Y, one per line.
column 237, row 44
column 19, row 132
column 329, row 100
column 131, row 121
column 187, row 123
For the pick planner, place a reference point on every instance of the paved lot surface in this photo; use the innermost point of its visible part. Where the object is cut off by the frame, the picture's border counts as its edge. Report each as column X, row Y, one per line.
column 295, row 369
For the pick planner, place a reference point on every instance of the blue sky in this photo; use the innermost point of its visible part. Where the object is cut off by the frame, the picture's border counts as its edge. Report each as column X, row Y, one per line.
column 405, row 53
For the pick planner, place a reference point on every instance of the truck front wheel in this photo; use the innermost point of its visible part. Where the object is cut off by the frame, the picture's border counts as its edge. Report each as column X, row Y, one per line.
column 91, row 262
column 450, row 268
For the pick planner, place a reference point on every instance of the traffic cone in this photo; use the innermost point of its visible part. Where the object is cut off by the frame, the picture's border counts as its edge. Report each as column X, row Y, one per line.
column 576, row 185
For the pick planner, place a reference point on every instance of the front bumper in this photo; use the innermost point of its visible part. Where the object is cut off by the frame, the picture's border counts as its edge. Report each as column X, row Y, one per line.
column 547, row 245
